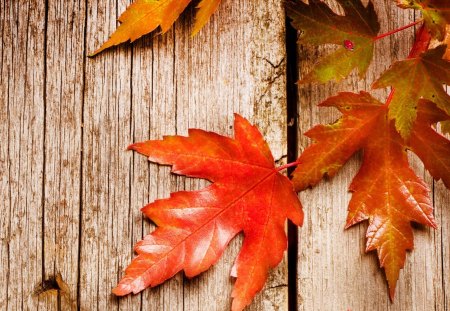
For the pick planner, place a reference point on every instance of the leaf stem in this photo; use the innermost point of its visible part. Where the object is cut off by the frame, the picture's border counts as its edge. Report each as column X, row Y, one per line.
column 283, row 167
column 421, row 43
column 397, row 30
column 390, row 97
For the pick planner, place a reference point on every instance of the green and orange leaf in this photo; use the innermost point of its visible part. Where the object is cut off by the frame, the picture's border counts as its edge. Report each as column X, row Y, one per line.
column 436, row 14
column 388, row 193
column 333, row 144
column 385, row 191
column 354, row 33
column 431, row 147
column 416, row 78
column 248, row 194
column 145, row 16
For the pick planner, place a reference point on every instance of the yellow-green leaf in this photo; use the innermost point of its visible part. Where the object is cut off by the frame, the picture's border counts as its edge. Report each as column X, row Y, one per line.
column 353, row 32
column 414, row 79
column 436, row 14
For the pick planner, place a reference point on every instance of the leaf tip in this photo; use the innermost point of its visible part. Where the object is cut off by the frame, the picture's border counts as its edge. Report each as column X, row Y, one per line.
column 239, row 302
column 237, row 116
column 391, row 293
column 240, row 121
column 237, row 305
column 132, row 147
column 196, row 30
column 433, row 224
column 348, row 224
column 100, row 49
column 121, row 290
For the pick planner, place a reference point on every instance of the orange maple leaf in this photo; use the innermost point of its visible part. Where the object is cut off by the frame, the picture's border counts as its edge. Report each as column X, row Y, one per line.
column 431, row 147
column 247, row 194
column 336, row 143
column 144, row 16
column 385, row 191
column 388, row 193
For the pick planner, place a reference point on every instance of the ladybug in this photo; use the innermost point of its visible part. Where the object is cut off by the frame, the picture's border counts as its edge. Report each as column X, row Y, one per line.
column 349, row 45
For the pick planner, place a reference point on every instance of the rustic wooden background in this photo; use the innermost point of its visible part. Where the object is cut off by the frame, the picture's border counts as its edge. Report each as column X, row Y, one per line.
column 71, row 194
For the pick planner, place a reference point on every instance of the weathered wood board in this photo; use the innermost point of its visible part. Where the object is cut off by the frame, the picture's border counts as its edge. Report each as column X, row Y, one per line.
column 71, row 193
column 334, row 273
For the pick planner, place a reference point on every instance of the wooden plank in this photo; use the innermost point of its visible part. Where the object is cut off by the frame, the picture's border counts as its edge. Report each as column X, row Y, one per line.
column 442, row 266
column 4, row 154
column 105, row 235
column 154, row 115
column 245, row 75
column 64, row 91
column 145, row 91
column 157, row 91
column 22, row 118
column 334, row 273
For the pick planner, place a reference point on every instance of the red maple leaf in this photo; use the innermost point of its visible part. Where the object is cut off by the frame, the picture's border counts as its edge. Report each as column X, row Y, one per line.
column 386, row 191
column 247, row 194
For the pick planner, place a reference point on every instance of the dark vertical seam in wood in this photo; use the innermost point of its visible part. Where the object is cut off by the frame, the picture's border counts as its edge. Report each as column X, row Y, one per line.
column 175, row 86
column 117, row 152
column 444, row 298
column 433, row 198
column 174, row 79
column 61, row 152
column 132, row 136
column 444, row 293
column 44, row 130
column 114, row 141
column 44, row 147
column 442, row 254
column 21, row 122
column 60, row 136
column 131, row 161
column 80, row 214
column 435, row 233
column 292, row 152
column 23, row 126
column 148, row 162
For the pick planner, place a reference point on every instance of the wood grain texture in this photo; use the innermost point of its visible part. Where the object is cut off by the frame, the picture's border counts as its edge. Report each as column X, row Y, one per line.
column 22, row 118
column 72, row 194
column 63, row 137
column 334, row 273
